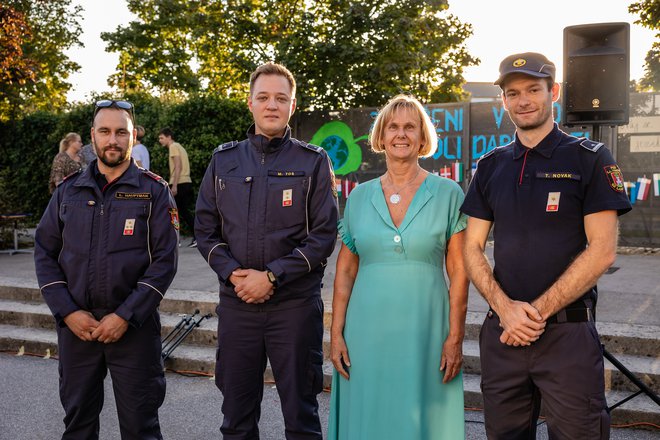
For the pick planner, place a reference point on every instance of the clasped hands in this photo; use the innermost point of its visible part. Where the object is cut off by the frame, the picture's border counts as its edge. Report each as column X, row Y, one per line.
column 252, row 286
column 109, row 329
column 522, row 324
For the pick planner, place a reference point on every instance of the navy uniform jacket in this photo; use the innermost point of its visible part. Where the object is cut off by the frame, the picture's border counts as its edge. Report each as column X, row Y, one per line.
column 268, row 205
column 107, row 252
column 537, row 199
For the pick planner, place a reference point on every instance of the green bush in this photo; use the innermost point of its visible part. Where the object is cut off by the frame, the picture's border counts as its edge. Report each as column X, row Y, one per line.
column 28, row 145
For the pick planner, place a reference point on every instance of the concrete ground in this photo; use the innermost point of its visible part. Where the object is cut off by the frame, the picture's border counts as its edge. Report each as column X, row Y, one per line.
column 31, row 409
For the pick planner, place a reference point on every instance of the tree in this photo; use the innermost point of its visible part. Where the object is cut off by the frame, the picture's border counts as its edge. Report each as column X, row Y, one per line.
column 343, row 53
column 649, row 17
column 38, row 33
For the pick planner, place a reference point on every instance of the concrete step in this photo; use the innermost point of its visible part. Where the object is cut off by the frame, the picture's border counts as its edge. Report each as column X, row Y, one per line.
column 618, row 338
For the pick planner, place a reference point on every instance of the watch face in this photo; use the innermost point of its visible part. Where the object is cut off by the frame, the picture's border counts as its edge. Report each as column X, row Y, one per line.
column 271, row 277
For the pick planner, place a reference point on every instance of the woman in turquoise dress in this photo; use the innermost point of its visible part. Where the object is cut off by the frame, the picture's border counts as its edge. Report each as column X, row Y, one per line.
column 397, row 328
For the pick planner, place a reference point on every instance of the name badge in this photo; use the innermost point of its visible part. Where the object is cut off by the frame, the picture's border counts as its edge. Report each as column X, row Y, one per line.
column 287, row 197
column 553, row 202
column 558, row 175
column 132, row 196
column 129, row 226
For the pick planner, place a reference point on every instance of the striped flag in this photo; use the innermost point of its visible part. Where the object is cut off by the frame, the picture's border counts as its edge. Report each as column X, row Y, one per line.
column 656, row 184
column 457, row 171
column 338, row 185
column 445, row 171
column 643, row 188
column 629, row 186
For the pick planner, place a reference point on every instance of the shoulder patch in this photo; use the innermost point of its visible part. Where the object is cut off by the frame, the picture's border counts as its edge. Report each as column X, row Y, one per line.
column 590, row 145
column 225, row 146
column 314, row 148
column 154, row 176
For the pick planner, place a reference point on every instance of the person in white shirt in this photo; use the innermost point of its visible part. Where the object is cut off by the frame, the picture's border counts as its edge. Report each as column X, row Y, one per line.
column 140, row 152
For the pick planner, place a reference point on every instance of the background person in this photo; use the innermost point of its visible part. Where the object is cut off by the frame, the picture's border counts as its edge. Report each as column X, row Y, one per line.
column 553, row 200
column 67, row 161
column 140, row 152
column 266, row 223
column 180, row 181
column 397, row 328
column 105, row 254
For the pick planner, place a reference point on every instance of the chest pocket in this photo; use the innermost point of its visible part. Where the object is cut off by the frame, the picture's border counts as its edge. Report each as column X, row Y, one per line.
column 78, row 218
column 128, row 225
column 286, row 206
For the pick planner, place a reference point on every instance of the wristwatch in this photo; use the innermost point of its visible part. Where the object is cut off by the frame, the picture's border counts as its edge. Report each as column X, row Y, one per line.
column 271, row 277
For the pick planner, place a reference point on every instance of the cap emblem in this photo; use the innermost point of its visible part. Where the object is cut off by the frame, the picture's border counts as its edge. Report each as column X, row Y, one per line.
column 519, row 62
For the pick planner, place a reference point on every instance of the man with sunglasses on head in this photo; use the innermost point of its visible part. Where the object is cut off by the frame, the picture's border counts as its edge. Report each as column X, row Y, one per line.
column 105, row 254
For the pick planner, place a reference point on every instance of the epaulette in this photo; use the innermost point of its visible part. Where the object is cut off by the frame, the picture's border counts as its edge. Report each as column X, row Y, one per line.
column 154, row 176
column 314, row 148
column 226, row 146
column 590, row 145
column 72, row 174
column 490, row 153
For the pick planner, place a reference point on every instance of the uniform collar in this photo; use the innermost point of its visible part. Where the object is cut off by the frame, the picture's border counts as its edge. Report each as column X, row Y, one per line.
column 129, row 177
column 544, row 148
column 263, row 144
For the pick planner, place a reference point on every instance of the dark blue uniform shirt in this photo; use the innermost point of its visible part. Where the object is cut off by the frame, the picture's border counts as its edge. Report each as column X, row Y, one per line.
column 110, row 249
column 537, row 199
column 268, row 204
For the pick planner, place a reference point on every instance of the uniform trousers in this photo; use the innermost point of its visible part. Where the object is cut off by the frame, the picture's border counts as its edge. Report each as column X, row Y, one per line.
column 138, row 381
column 185, row 202
column 564, row 369
column 291, row 339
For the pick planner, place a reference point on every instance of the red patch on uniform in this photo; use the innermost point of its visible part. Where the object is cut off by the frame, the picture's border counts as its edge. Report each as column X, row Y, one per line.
column 614, row 177
column 174, row 217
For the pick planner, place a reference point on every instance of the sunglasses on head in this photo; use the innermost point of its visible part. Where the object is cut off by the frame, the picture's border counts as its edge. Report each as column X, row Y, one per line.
column 111, row 103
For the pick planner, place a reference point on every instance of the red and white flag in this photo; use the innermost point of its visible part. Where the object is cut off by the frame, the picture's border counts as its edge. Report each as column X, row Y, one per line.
column 644, row 185
column 445, row 172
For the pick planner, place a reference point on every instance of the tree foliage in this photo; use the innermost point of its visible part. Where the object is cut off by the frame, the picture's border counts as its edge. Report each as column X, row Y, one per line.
column 35, row 35
column 649, row 17
column 343, row 53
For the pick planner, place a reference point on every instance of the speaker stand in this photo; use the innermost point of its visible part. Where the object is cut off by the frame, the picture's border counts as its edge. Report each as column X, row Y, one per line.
column 638, row 383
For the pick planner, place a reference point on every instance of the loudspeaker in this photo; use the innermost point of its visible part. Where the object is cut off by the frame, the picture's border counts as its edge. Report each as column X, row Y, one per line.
column 596, row 74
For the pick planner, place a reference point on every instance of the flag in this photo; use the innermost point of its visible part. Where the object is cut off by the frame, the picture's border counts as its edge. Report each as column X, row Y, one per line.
column 457, row 171
column 347, row 187
column 628, row 187
column 656, row 184
column 338, row 185
column 633, row 192
column 644, row 186
column 445, row 171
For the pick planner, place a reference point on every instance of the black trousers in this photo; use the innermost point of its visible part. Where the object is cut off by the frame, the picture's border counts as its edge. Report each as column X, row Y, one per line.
column 292, row 340
column 185, row 200
column 564, row 368
column 137, row 375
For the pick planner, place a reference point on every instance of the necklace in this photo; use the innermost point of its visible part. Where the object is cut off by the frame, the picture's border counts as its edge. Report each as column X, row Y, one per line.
column 395, row 198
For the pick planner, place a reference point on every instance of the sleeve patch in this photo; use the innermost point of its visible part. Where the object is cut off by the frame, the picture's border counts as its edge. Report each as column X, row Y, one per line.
column 614, row 177
column 174, row 217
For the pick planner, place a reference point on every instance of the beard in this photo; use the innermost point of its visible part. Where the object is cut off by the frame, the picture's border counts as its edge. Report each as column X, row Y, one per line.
column 108, row 161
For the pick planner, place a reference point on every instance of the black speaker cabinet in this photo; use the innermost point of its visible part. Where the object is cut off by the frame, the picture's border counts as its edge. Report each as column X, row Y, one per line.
column 596, row 74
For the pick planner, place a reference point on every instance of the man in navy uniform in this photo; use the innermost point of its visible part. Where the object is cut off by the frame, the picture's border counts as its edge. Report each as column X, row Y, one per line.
column 266, row 222
column 554, row 201
column 105, row 254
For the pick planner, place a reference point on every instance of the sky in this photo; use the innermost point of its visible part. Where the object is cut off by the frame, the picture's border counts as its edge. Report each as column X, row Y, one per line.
column 500, row 28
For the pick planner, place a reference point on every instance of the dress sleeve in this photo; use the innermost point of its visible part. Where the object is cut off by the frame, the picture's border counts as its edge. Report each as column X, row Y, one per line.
column 457, row 219
column 343, row 228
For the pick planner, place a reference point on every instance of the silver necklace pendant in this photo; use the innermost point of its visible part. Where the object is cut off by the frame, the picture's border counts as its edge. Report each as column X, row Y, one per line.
column 395, row 199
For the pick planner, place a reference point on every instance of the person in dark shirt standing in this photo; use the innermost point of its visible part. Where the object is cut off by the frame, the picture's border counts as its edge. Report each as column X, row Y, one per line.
column 266, row 221
column 553, row 200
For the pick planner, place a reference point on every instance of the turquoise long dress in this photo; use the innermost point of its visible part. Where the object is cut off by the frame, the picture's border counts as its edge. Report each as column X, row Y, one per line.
column 398, row 319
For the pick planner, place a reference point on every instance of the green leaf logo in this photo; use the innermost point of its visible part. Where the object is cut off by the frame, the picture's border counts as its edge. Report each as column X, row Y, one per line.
column 336, row 138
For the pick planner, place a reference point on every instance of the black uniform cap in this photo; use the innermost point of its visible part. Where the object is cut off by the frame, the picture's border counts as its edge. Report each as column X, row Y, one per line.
column 528, row 63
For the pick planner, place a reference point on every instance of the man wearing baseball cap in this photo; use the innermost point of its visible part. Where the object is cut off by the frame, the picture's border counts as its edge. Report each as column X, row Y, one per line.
column 554, row 200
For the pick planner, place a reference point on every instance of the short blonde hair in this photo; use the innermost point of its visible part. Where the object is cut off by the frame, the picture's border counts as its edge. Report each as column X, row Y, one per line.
column 271, row 68
column 385, row 115
column 64, row 143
